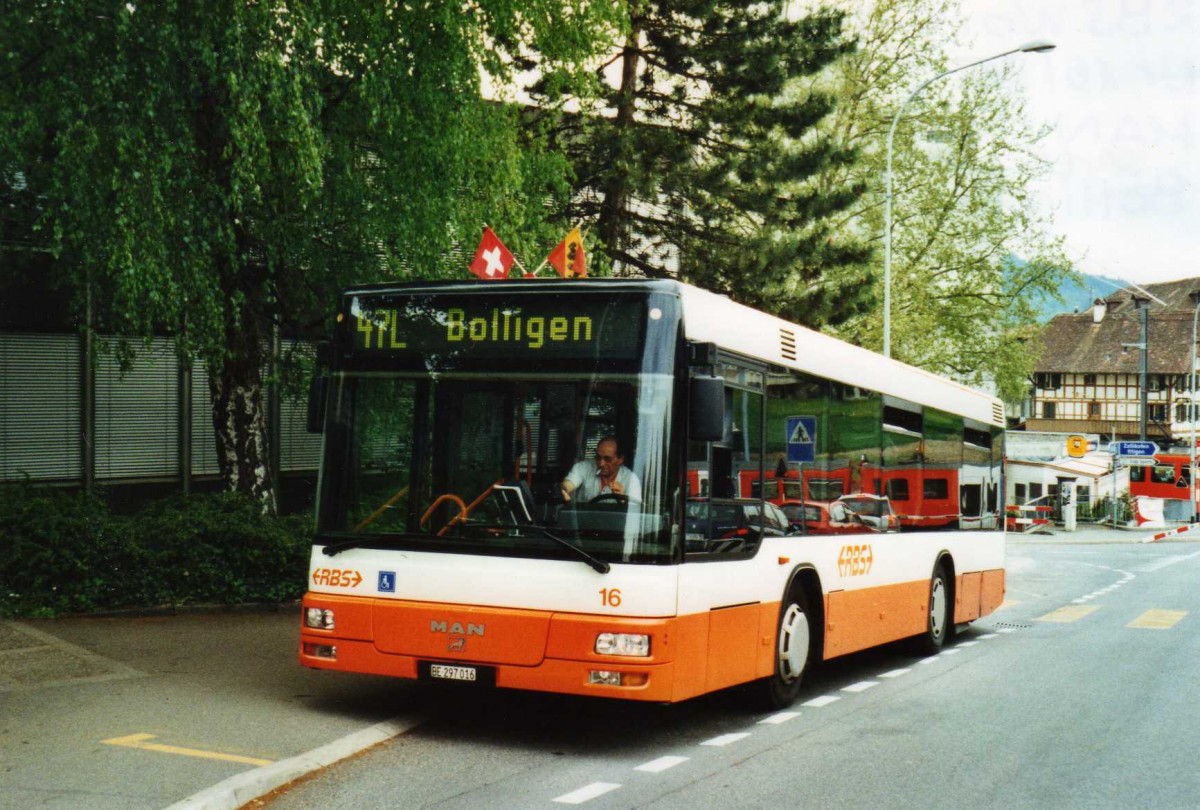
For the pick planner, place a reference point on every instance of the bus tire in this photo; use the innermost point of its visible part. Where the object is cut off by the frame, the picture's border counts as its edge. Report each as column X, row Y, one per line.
column 793, row 648
column 939, row 624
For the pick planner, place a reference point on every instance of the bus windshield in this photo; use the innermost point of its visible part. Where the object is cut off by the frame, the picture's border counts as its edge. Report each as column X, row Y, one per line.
column 473, row 462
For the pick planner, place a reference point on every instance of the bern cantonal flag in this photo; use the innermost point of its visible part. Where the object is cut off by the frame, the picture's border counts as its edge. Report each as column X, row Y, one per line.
column 568, row 258
column 492, row 259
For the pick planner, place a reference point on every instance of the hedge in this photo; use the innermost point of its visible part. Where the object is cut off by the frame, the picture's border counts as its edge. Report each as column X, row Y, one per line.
column 66, row 553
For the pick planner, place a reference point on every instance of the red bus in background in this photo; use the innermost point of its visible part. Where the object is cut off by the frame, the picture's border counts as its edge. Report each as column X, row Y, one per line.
column 1169, row 478
column 922, row 498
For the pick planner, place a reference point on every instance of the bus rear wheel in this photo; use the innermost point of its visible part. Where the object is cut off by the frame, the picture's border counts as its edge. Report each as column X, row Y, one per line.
column 939, row 627
column 793, row 643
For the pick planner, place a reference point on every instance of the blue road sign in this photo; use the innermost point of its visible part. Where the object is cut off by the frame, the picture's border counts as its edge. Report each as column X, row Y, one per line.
column 1136, row 449
column 802, row 439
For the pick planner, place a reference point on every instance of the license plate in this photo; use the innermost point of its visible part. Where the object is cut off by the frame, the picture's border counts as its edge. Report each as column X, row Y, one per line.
column 447, row 673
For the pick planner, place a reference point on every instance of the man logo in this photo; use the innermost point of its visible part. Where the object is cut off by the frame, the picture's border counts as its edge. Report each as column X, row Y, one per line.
column 456, row 628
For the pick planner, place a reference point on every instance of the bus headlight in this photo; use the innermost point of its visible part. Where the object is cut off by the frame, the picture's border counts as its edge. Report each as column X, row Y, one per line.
column 623, row 644
column 318, row 618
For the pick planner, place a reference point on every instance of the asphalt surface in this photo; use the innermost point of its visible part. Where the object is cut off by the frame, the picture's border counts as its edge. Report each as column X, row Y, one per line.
column 208, row 708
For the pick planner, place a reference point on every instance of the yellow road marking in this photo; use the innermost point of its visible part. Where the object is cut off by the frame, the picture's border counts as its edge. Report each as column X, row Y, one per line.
column 1070, row 613
column 1158, row 619
column 139, row 741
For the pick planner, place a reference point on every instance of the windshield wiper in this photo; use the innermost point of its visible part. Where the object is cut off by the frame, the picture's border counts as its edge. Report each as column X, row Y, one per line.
column 348, row 542
column 354, row 541
column 599, row 565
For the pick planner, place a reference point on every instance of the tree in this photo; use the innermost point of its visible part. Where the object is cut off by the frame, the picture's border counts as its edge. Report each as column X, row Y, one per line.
column 970, row 248
column 698, row 159
column 217, row 170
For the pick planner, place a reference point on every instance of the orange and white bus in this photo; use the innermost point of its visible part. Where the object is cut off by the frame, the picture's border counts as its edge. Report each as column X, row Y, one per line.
column 444, row 549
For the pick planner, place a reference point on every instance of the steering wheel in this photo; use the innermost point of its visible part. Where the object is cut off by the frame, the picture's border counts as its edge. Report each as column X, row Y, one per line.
column 620, row 498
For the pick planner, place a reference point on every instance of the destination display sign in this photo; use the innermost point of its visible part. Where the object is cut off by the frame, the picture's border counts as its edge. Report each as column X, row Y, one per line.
column 455, row 327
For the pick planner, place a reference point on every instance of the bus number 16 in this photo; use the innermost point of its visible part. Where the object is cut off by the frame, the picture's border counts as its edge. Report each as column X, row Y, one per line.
column 610, row 597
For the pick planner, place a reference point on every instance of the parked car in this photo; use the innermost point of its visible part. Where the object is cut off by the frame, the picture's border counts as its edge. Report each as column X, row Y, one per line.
column 813, row 517
column 849, row 514
column 874, row 511
column 724, row 520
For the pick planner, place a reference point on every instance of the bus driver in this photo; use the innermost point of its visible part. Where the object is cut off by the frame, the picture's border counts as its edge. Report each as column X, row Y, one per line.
column 607, row 476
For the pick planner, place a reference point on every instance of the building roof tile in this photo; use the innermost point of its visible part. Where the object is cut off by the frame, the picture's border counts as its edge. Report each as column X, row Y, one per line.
column 1076, row 344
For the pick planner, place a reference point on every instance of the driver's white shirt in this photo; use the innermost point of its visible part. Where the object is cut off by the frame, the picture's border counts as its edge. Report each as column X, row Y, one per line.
column 588, row 484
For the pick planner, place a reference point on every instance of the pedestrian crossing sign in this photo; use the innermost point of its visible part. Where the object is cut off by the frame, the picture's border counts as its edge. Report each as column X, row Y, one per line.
column 801, row 439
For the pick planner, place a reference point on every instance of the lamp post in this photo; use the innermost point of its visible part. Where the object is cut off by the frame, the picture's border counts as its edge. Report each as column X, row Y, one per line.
column 1195, row 296
column 1039, row 46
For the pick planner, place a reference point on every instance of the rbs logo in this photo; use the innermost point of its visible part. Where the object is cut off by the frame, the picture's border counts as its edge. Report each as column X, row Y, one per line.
column 336, row 577
column 855, row 561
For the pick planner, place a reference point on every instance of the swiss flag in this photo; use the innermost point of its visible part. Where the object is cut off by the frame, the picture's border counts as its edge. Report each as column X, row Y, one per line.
column 492, row 259
column 567, row 258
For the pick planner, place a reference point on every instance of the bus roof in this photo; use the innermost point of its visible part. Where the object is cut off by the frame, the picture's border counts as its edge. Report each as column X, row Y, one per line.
column 712, row 318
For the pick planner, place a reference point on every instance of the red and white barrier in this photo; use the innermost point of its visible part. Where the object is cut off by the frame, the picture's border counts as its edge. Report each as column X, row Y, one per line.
column 1028, row 518
column 1154, row 538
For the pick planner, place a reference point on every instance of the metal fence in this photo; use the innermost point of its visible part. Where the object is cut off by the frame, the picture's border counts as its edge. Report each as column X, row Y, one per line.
column 146, row 424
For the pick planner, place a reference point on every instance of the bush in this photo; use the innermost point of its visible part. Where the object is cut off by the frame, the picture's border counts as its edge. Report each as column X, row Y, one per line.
column 67, row 553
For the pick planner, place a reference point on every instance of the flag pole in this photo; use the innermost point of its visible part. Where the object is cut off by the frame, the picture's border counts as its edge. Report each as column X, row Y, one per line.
column 519, row 264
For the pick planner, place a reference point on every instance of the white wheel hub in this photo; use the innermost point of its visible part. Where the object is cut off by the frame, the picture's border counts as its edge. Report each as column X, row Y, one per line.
column 793, row 644
column 937, row 609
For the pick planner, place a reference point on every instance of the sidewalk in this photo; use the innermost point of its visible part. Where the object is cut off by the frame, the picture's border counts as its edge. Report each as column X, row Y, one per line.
column 1086, row 533
column 206, row 709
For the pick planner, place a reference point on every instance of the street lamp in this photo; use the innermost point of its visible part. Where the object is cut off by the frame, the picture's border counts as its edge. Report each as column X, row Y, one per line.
column 1039, row 46
column 1195, row 296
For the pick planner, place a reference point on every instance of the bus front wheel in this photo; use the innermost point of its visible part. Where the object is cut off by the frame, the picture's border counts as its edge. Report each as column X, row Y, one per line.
column 793, row 643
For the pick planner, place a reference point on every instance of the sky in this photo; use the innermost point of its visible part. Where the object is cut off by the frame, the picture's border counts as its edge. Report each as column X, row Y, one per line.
column 1122, row 93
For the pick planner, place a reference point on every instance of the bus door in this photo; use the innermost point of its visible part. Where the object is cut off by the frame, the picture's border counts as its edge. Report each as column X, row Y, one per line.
column 975, row 484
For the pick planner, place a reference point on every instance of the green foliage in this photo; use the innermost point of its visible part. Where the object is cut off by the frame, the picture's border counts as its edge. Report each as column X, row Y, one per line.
column 972, row 253
column 216, row 169
column 706, row 170
column 67, row 553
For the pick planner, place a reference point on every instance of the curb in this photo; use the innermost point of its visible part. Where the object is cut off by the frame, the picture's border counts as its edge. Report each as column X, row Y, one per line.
column 183, row 610
column 236, row 791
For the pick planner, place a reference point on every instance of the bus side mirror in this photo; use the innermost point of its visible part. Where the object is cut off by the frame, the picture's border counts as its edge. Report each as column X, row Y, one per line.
column 317, row 390
column 706, row 409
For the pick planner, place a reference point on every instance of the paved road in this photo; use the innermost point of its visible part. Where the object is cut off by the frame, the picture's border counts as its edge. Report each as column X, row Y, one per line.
column 211, row 709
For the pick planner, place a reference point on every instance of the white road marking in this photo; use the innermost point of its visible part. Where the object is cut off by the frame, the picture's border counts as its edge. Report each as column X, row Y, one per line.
column 776, row 719
column 861, row 686
column 1158, row 565
column 896, row 673
column 726, row 739
column 986, row 636
column 587, row 793
column 823, row 700
column 967, row 643
column 661, row 764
